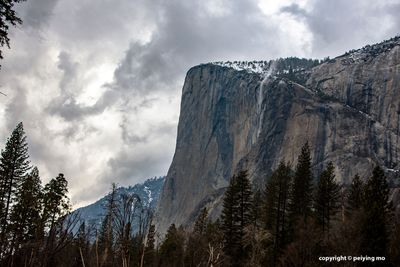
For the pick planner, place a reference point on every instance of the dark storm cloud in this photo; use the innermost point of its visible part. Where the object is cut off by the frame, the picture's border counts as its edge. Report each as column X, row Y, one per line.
column 188, row 34
column 65, row 105
column 147, row 46
column 338, row 26
column 185, row 34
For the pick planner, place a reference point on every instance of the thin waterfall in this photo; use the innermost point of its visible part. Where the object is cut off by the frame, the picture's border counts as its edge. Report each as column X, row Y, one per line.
column 261, row 95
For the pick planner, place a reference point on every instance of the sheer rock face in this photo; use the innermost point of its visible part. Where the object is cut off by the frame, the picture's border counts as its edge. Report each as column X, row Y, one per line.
column 348, row 110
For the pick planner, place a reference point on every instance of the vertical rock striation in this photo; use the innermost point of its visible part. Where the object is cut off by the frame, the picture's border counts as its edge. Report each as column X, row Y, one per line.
column 235, row 116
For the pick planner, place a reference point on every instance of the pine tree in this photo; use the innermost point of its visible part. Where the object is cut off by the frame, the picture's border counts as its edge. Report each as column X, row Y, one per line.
column 301, row 195
column 196, row 248
column 201, row 222
column 228, row 217
column 172, row 249
column 56, row 206
column 257, row 239
column 245, row 197
column 56, row 202
column 14, row 164
column 276, row 209
column 327, row 201
column 378, row 210
column 26, row 213
column 236, row 216
column 355, row 196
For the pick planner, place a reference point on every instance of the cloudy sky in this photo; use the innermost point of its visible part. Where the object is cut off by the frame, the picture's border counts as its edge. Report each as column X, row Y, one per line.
column 97, row 83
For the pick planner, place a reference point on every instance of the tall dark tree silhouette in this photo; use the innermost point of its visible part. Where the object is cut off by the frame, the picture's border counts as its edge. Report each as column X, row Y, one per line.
column 196, row 247
column 228, row 217
column 355, row 196
column 56, row 202
column 58, row 225
column 172, row 249
column 277, row 209
column 14, row 164
column 327, row 200
column 301, row 196
column 378, row 210
column 26, row 212
column 236, row 216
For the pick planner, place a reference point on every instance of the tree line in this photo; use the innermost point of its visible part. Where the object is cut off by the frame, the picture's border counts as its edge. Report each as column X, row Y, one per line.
column 34, row 226
column 38, row 228
column 292, row 221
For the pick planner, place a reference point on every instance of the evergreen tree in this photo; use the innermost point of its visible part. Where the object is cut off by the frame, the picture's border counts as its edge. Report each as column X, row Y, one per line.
column 327, row 200
column 25, row 215
column 378, row 210
column 56, row 206
column 172, row 249
column 236, row 216
column 354, row 201
column 355, row 196
column 196, row 248
column 301, row 195
column 276, row 209
column 56, row 202
column 201, row 222
column 228, row 217
column 14, row 164
column 245, row 201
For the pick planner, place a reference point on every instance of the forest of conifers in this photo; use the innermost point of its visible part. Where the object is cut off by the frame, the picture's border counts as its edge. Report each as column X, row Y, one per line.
column 296, row 220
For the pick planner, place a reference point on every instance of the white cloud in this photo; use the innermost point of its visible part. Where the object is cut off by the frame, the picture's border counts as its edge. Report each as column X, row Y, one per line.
column 97, row 83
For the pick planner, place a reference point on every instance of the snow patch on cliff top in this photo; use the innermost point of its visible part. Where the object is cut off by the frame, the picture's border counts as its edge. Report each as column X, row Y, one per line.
column 249, row 66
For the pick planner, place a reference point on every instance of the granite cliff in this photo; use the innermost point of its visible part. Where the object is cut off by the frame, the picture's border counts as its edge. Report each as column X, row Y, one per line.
column 252, row 115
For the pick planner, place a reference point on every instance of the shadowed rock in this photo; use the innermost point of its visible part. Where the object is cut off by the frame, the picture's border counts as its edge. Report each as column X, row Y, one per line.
column 347, row 108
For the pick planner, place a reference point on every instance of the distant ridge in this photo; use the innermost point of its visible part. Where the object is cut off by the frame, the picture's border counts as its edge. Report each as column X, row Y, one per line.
column 148, row 192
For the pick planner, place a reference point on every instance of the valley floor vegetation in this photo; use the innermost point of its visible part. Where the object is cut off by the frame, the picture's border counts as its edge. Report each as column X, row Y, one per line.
column 295, row 220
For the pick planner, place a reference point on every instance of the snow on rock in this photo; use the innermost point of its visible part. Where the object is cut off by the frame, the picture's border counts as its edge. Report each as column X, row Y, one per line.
column 249, row 66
